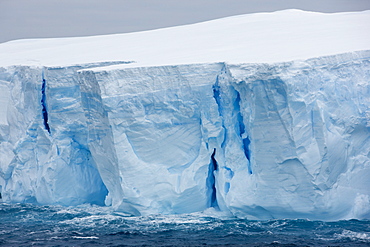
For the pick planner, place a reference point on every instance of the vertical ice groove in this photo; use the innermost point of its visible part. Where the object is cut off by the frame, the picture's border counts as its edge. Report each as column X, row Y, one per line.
column 242, row 131
column 216, row 95
column 235, row 99
column 43, row 103
column 218, row 99
column 211, row 181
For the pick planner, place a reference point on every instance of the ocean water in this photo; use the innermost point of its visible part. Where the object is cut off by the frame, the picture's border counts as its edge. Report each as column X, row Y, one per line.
column 86, row 225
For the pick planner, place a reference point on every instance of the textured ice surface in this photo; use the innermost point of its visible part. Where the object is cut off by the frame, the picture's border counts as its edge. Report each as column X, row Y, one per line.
column 41, row 164
column 309, row 130
column 286, row 140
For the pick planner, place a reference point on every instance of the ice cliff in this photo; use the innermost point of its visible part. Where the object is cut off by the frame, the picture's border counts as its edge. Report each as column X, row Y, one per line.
column 260, row 116
column 286, row 140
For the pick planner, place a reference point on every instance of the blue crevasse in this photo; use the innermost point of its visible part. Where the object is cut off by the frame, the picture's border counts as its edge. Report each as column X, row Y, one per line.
column 262, row 141
column 44, row 107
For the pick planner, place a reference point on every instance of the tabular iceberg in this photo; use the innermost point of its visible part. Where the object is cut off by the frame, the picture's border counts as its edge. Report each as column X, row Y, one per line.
column 254, row 140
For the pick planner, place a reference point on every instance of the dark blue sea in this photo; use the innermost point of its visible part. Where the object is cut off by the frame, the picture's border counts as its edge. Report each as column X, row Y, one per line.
column 32, row 225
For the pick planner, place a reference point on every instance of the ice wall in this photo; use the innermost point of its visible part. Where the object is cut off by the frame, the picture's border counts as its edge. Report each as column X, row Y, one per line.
column 44, row 152
column 165, row 125
column 261, row 141
column 309, row 130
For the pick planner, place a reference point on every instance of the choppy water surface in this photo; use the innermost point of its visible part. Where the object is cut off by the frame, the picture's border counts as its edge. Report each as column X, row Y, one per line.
column 26, row 225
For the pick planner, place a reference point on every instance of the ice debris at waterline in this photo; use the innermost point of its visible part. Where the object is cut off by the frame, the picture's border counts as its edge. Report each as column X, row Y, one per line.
column 262, row 141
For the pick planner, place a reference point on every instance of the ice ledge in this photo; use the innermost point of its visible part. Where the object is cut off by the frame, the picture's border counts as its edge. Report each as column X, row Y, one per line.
column 299, row 64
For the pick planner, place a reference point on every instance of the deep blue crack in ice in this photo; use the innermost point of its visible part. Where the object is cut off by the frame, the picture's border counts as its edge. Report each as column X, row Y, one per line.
column 44, row 107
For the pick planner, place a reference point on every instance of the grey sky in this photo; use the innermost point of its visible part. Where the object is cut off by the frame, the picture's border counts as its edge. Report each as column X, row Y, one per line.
column 64, row 18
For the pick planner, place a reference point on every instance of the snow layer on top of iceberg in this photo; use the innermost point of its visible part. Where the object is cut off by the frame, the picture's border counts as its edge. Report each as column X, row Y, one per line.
column 261, row 37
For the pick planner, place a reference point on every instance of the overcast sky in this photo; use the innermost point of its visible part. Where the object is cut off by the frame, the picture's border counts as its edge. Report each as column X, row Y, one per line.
column 64, row 18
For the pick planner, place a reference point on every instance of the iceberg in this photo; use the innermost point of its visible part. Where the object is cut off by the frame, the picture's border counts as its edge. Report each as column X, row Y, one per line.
column 285, row 137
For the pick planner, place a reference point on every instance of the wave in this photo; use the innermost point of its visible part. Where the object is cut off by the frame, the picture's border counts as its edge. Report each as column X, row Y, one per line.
column 25, row 224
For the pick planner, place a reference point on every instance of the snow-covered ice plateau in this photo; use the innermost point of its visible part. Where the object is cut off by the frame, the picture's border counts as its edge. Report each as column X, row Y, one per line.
column 260, row 116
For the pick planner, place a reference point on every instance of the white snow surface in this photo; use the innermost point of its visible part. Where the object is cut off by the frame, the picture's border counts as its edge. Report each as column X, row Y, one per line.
column 261, row 37
column 197, row 122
